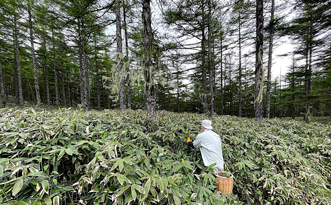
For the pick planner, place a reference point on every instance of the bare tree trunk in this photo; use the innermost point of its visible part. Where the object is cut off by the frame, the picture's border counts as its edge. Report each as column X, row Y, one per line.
column 259, row 62
column 97, row 73
column 35, row 71
column 178, row 89
column 240, row 70
column 148, row 73
column 63, row 88
column 87, row 80
column 69, row 90
column 275, row 99
column 119, row 54
column 55, row 73
column 46, row 71
column 221, row 88
column 2, row 87
column 20, row 100
column 128, row 97
column 177, row 83
column 292, row 88
column 82, row 65
column 293, row 96
column 272, row 22
column 210, row 62
column 308, row 82
column 203, row 51
column 230, row 84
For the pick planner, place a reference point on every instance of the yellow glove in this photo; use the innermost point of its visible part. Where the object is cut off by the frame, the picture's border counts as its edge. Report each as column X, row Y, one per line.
column 188, row 139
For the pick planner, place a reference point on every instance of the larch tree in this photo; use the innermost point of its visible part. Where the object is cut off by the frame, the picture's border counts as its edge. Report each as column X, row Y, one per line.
column 33, row 56
column 119, row 50
column 271, row 39
column 148, row 53
column 17, row 64
column 2, row 87
column 210, row 60
column 259, row 62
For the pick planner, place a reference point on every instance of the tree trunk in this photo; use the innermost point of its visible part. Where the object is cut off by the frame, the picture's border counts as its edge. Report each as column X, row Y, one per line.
column 308, row 83
column 82, row 65
column 259, row 62
column 97, row 73
column 230, row 85
column 210, row 62
column 35, row 71
column 203, row 62
column 119, row 55
column 2, row 88
column 177, row 83
column 86, row 81
column 293, row 89
column 128, row 97
column 221, row 88
column 148, row 73
column 63, row 88
column 55, row 73
column 272, row 22
column 275, row 100
column 20, row 100
column 46, row 70
column 240, row 71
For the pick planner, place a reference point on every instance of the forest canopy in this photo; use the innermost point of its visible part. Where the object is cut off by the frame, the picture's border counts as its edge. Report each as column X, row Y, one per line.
column 201, row 56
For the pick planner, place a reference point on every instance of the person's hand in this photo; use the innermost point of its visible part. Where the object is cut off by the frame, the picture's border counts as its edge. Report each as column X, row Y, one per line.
column 189, row 143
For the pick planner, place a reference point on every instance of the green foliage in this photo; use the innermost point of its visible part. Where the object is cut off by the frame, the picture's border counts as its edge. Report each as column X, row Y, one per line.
column 112, row 157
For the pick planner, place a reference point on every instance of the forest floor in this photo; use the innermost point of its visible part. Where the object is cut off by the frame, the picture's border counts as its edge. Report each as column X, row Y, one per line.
column 67, row 155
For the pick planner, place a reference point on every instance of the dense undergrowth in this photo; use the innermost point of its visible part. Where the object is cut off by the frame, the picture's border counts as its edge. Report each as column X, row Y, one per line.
column 108, row 157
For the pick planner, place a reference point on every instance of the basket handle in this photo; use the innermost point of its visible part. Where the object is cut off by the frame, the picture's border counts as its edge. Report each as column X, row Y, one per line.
column 224, row 171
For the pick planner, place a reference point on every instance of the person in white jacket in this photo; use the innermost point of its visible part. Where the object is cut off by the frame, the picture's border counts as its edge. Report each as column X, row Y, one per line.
column 210, row 145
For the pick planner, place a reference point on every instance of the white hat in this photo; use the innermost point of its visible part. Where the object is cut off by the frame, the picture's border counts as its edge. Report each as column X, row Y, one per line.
column 206, row 124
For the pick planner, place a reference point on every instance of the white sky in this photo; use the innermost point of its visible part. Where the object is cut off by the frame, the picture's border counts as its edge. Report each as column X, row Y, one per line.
column 280, row 63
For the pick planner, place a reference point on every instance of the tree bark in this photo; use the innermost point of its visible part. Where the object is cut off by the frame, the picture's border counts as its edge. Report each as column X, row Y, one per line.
column 203, row 62
column 210, row 62
column 2, row 88
column 308, row 81
column 87, row 80
column 128, row 97
column 46, row 70
column 55, row 72
column 259, row 62
column 20, row 100
column 63, row 88
column 272, row 26
column 97, row 73
column 82, row 65
column 240, row 70
column 221, row 88
column 69, row 90
column 35, row 71
column 148, row 73
column 120, row 54
column 230, row 84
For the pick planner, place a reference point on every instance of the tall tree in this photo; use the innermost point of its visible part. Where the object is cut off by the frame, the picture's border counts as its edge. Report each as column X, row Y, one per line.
column 120, row 69
column 17, row 65
column 56, row 84
column 34, row 64
column 148, row 52
column 210, row 60
column 271, row 38
column 2, row 87
column 259, row 62
column 125, row 25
